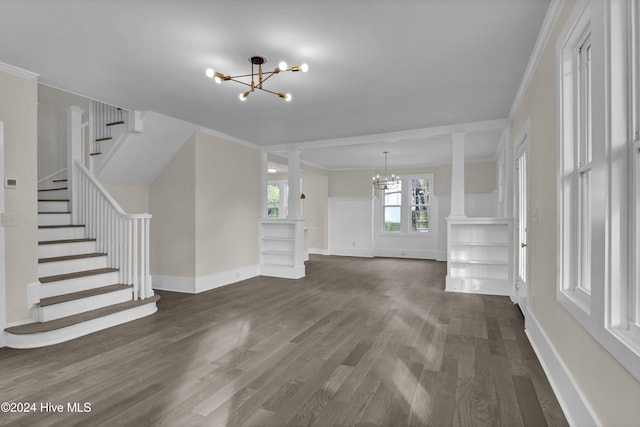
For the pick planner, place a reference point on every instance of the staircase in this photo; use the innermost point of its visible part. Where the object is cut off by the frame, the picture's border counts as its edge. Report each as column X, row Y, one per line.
column 82, row 287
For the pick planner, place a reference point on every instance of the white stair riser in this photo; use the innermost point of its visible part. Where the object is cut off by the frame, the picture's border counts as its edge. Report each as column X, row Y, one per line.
column 78, row 330
column 54, row 219
column 57, row 311
column 63, row 249
column 53, row 194
column 67, row 286
column 45, row 234
column 51, row 206
column 50, row 184
column 71, row 266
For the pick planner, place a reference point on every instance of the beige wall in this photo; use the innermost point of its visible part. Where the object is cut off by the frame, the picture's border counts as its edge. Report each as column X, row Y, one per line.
column 172, row 198
column 315, row 209
column 480, row 177
column 52, row 127
column 18, row 111
column 607, row 387
column 133, row 199
column 227, row 205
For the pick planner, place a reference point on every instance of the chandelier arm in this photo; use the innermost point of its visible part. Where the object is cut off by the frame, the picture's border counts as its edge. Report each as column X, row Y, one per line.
column 240, row 81
column 267, row 90
column 271, row 73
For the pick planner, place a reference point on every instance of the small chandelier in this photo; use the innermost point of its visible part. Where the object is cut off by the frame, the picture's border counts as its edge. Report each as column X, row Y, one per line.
column 385, row 182
column 257, row 78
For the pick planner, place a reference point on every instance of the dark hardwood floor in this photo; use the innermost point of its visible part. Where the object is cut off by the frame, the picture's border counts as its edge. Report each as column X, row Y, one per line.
column 358, row 341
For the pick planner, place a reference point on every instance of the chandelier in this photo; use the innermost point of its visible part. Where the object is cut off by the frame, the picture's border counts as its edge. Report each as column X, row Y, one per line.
column 257, row 77
column 385, row 182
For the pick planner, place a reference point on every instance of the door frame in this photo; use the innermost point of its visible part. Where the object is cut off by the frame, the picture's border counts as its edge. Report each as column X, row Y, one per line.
column 3, row 295
column 520, row 147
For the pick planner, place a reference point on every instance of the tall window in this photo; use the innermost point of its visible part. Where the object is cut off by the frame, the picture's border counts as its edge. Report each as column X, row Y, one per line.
column 405, row 208
column 419, row 205
column 599, row 174
column 584, row 153
column 576, row 163
column 392, row 209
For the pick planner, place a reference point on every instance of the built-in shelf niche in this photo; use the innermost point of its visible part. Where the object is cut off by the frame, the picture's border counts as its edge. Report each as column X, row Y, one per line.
column 282, row 248
column 479, row 255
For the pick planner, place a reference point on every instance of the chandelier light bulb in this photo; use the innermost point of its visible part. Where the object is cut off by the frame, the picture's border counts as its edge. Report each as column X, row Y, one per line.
column 282, row 66
column 287, row 97
column 243, row 96
column 304, row 68
column 210, row 73
column 217, row 79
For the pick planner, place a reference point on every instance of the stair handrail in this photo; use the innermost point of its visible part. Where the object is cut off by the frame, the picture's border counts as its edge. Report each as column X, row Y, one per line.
column 123, row 236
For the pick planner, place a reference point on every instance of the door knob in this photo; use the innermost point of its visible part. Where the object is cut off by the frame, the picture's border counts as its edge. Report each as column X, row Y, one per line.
column 523, row 245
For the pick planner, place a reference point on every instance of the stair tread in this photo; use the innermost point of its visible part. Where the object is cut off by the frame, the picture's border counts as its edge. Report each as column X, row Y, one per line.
column 54, row 200
column 55, row 189
column 39, row 327
column 60, row 180
column 71, row 257
column 76, row 275
column 119, row 122
column 55, row 242
column 58, row 299
column 57, row 213
column 107, row 138
column 62, row 226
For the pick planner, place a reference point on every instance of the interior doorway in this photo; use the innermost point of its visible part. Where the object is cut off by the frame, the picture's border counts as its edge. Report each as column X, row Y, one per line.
column 521, row 291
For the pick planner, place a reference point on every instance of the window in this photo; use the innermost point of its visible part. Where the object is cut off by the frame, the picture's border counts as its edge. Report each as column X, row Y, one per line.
column 405, row 208
column 419, row 205
column 584, row 163
column 576, row 163
column 393, row 208
column 277, row 199
column 599, row 174
column 273, row 201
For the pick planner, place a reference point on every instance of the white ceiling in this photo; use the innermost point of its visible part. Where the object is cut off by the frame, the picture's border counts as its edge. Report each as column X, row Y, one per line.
column 375, row 66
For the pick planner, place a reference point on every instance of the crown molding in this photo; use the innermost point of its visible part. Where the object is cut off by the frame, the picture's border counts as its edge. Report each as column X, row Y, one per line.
column 555, row 8
column 18, row 72
column 392, row 137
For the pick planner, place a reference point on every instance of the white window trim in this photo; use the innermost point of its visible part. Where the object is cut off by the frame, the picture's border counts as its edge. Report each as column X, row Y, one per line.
column 615, row 119
column 570, row 295
column 405, row 210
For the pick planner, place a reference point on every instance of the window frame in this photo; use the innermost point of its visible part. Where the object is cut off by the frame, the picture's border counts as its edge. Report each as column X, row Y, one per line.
column 405, row 208
column 610, row 316
column 575, row 136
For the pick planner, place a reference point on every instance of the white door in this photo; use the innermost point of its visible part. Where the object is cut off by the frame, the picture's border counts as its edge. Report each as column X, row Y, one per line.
column 521, row 291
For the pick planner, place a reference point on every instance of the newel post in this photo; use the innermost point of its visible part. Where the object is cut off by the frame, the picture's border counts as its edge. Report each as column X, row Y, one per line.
column 74, row 153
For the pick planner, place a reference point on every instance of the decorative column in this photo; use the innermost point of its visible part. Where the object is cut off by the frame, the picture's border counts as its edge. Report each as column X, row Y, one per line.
column 457, row 176
column 295, row 206
column 263, row 184
column 74, row 153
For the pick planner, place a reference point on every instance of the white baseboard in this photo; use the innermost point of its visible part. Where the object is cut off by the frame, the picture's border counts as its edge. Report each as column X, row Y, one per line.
column 228, row 277
column 406, row 253
column 283, row 271
column 194, row 285
column 367, row 253
column 575, row 407
column 318, row 251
